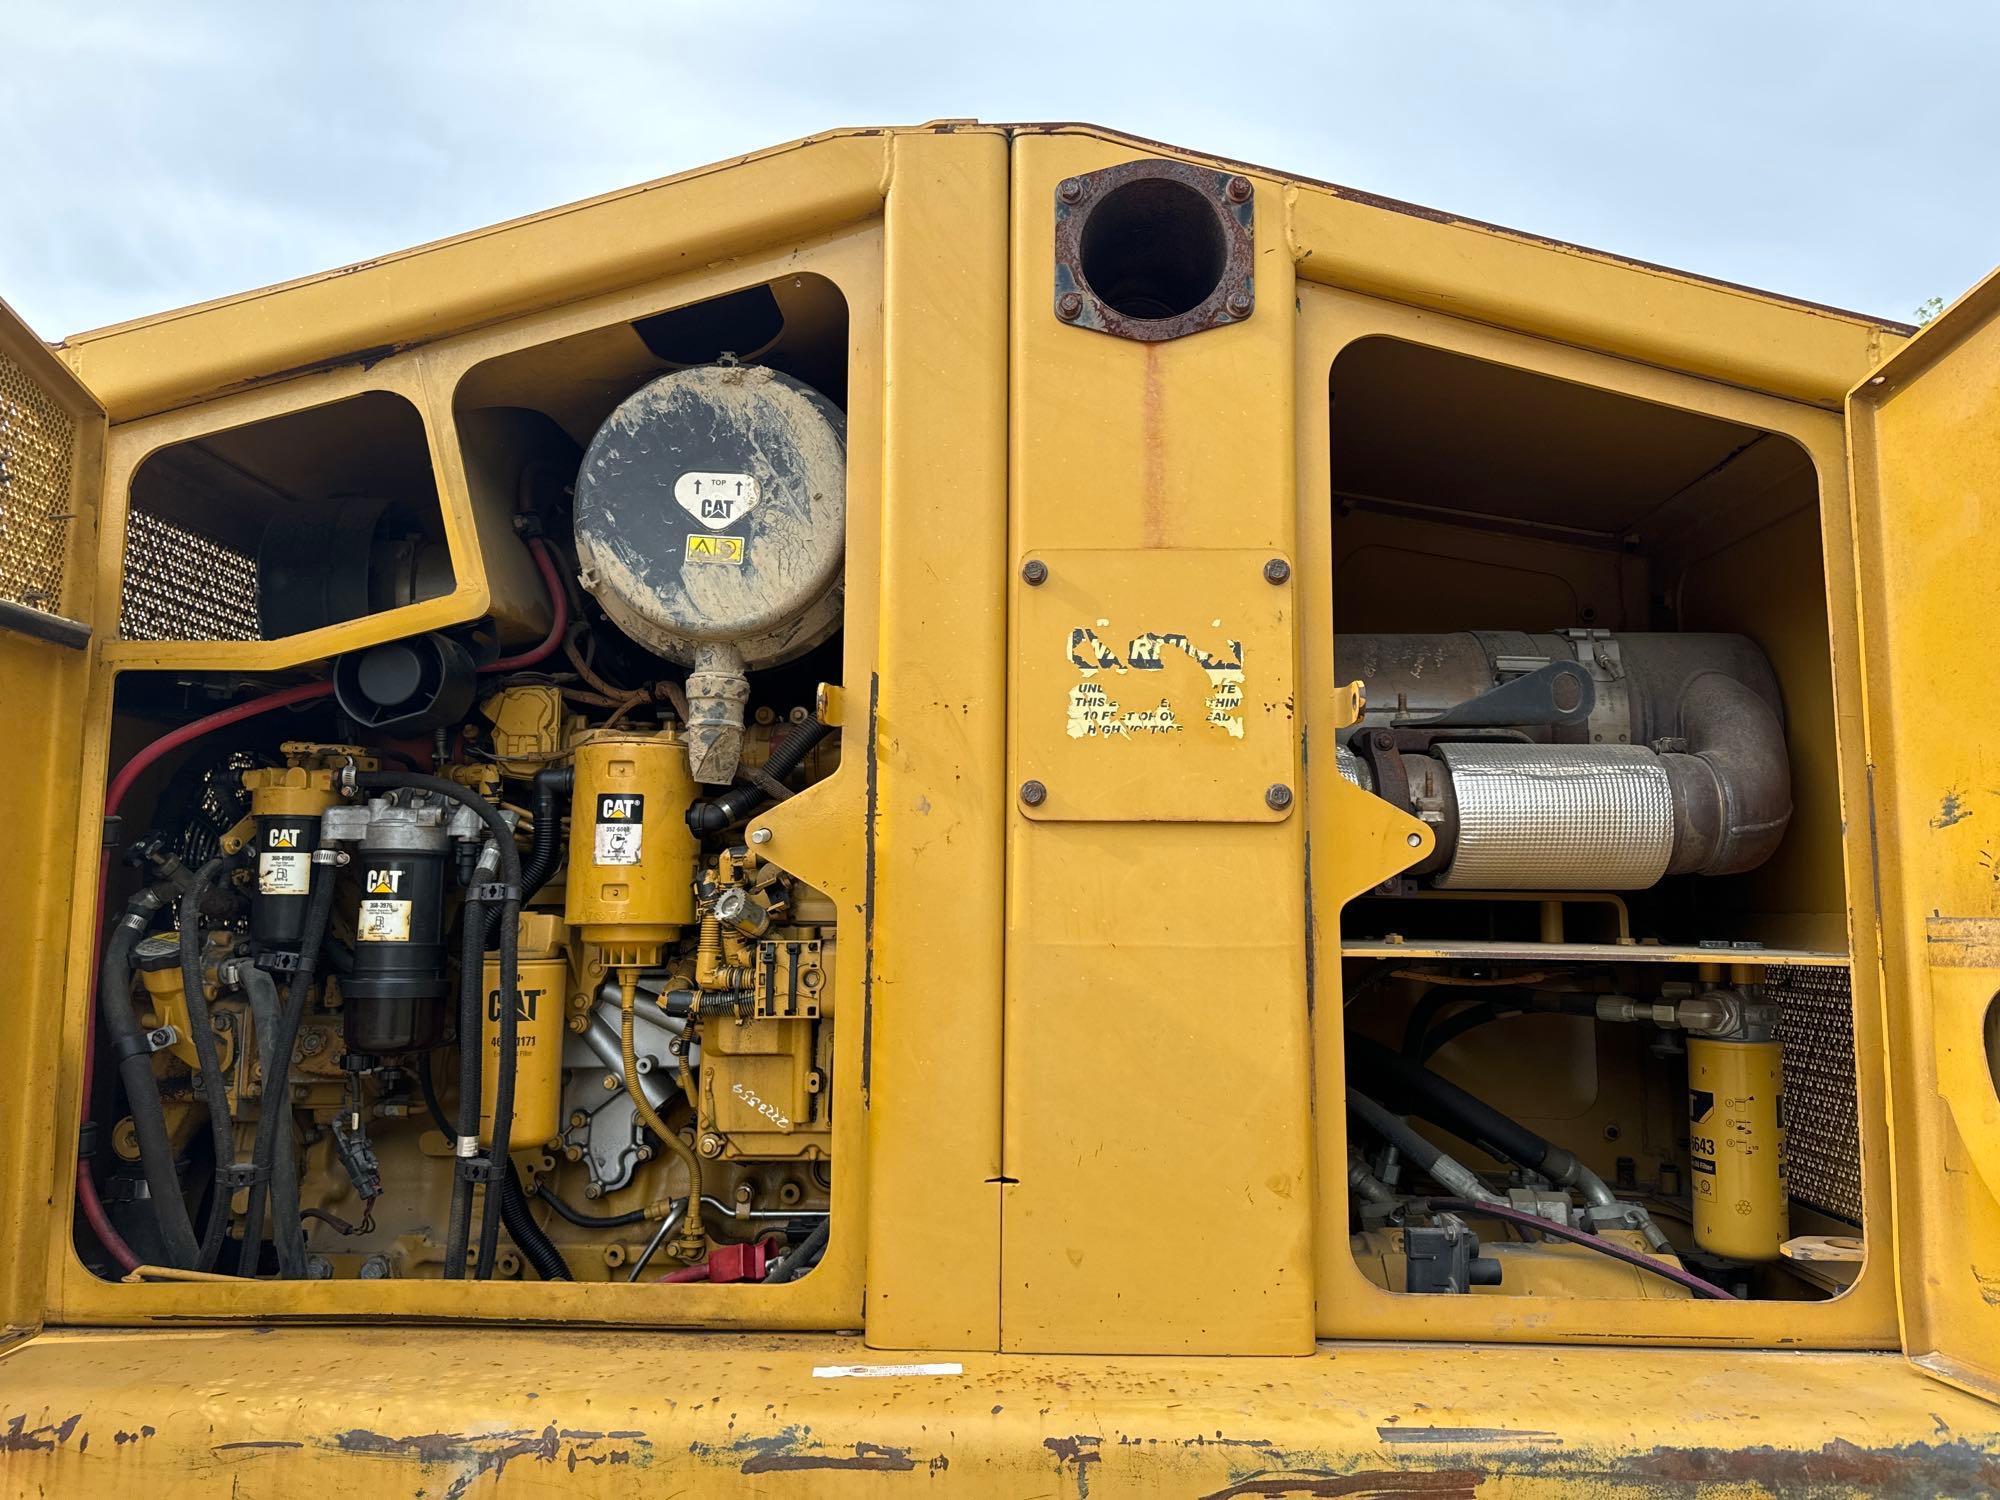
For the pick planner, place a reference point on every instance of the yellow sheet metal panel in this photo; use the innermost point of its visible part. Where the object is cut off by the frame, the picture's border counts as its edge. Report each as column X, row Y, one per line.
column 358, row 1414
column 1925, row 437
column 937, row 715
column 1156, row 1076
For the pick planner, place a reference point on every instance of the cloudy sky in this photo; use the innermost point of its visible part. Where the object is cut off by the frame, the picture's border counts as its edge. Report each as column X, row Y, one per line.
column 159, row 154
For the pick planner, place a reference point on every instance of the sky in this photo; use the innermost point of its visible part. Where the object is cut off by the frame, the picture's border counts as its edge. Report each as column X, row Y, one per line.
column 156, row 155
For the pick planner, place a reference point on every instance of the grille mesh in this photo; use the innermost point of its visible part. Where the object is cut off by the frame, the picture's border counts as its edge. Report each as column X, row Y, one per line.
column 37, row 450
column 1816, row 1026
column 183, row 586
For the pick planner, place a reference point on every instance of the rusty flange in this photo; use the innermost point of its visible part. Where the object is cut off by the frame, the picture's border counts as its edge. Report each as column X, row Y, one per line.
column 1185, row 191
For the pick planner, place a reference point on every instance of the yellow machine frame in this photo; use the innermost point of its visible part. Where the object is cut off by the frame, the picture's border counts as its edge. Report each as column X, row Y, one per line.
column 1017, row 1280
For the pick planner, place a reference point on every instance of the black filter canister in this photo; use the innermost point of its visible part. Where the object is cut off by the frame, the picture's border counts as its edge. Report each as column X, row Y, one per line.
column 398, row 981
column 285, row 844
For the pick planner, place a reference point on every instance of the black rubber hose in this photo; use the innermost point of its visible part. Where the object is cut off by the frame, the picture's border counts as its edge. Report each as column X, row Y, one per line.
column 583, row 1220
column 135, row 1071
column 552, row 788
column 536, row 1246
column 471, row 987
column 1445, row 1103
column 736, row 804
column 274, row 1110
column 510, row 938
column 1424, row 1155
column 809, row 1249
column 1478, row 1015
column 208, row 1057
column 284, row 1185
column 1424, row 1014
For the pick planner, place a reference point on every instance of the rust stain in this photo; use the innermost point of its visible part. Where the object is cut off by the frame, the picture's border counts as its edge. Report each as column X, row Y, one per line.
column 1452, row 1484
column 1153, row 453
column 256, row 1443
column 1463, row 1435
column 121, row 1437
column 1839, row 1466
column 793, row 1450
column 21, row 1438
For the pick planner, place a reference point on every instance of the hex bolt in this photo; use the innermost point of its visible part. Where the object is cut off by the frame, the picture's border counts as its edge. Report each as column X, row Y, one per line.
column 1070, row 190
column 1238, row 190
column 1277, row 570
column 1069, row 306
column 711, row 1144
column 1034, row 573
column 1033, row 793
column 1277, row 796
column 1238, row 305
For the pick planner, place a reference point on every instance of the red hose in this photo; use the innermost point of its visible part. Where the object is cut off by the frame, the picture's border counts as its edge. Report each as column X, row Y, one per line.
column 685, row 1273
column 86, row 1188
column 545, row 562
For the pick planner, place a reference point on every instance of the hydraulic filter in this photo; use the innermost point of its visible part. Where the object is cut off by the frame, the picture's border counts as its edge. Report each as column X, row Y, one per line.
column 399, row 950
column 1736, row 1138
column 631, row 857
column 538, row 1035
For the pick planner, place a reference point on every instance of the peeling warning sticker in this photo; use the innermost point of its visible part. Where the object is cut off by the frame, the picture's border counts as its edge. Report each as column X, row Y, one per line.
column 703, row 548
column 716, row 499
column 1095, row 714
column 383, row 922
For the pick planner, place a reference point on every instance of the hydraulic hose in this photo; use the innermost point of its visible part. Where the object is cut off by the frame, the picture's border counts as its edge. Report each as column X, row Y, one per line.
column 274, row 1109
column 583, row 1220
column 536, row 1246
column 267, row 1012
column 215, row 1092
column 552, row 789
column 1444, row 1103
column 736, row 804
column 1427, row 1157
column 474, row 949
column 142, row 1089
column 465, row 1140
column 796, row 1264
column 629, row 1055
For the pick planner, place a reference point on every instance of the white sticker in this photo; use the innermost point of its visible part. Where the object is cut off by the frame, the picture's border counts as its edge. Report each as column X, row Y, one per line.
column 283, row 873
column 716, row 499
column 383, row 922
column 618, row 843
column 878, row 1372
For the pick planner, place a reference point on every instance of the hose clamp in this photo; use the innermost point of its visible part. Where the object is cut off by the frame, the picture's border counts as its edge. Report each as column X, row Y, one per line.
column 494, row 891
column 325, row 856
column 467, row 1147
column 243, row 1174
column 145, row 1044
column 278, row 961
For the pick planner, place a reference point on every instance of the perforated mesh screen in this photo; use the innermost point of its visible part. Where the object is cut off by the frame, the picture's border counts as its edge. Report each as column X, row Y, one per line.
column 37, row 449
column 183, row 586
column 1816, row 1026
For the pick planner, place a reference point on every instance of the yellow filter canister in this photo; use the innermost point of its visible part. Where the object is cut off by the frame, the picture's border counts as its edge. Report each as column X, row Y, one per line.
column 631, row 856
column 538, row 1036
column 1736, row 1137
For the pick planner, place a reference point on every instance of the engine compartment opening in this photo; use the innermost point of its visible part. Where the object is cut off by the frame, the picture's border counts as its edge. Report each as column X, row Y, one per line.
column 1600, row 1039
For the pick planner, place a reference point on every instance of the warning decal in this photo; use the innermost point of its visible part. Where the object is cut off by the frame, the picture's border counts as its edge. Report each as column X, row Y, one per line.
column 703, row 548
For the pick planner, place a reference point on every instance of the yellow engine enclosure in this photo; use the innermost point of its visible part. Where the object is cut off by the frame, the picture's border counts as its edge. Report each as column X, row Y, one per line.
column 1029, row 1061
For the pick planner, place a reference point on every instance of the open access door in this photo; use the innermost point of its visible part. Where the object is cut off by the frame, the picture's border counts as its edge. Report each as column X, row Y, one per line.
column 51, row 472
column 1924, row 436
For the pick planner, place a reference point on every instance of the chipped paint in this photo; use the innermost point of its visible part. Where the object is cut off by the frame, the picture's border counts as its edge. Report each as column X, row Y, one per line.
column 1951, row 810
column 1094, row 714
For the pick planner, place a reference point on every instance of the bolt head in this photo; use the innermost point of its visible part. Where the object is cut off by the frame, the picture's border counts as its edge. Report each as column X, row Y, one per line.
column 1070, row 190
column 711, row 1145
column 1033, row 793
column 1238, row 190
column 1238, row 305
column 1069, row 306
column 1277, row 570
column 1034, row 572
column 1277, row 796
column 760, row 835
column 1415, row 841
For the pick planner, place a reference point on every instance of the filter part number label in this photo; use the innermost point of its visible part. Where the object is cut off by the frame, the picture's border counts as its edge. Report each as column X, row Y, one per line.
column 283, row 873
column 620, row 838
column 380, row 921
column 716, row 499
